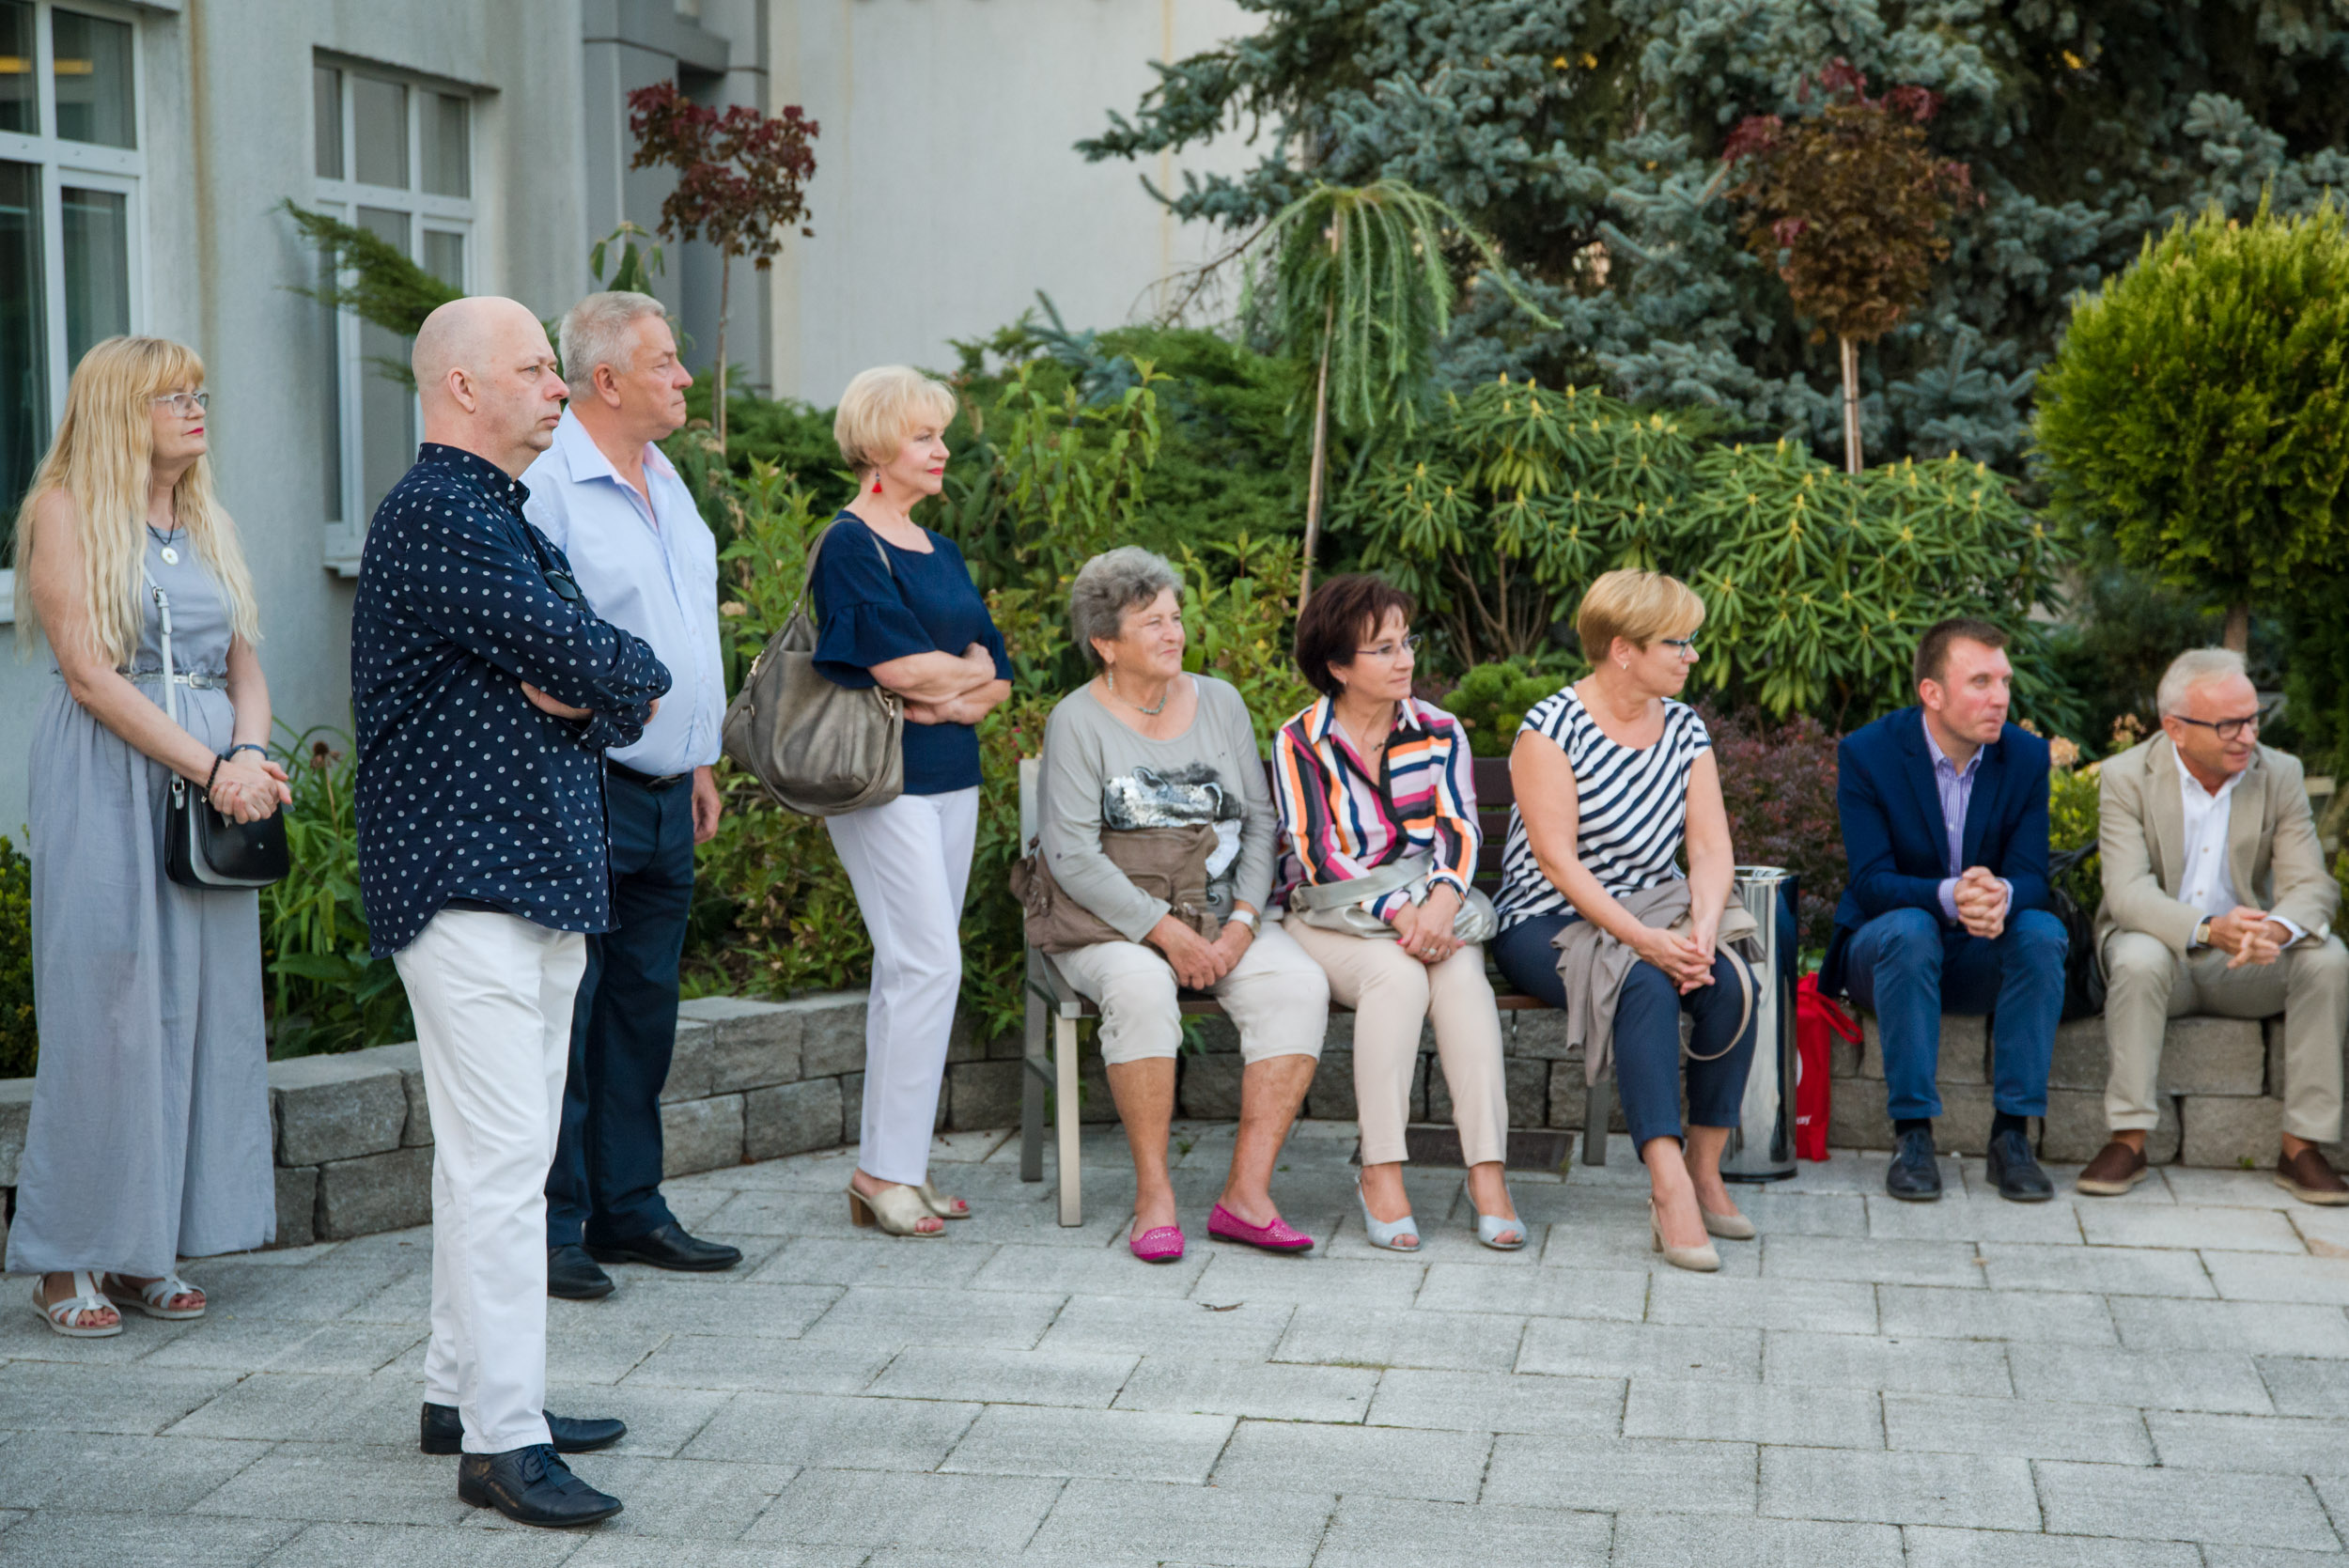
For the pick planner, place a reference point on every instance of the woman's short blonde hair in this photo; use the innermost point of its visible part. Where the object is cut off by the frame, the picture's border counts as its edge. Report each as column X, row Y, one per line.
column 881, row 407
column 1638, row 607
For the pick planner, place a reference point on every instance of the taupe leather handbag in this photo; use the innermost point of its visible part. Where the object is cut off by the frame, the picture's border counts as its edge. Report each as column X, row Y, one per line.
column 1169, row 864
column 819, row 747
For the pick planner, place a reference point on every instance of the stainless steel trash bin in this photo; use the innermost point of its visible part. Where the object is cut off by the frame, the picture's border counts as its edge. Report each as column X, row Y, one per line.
column 1763, row 1149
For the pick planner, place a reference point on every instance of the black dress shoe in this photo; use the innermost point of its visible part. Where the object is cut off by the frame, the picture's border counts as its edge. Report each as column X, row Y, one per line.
column 668, row 1246
column 2015, row 1173
column 531, row 1487
column 1915, row 1176
column 443, row 1433
column 572, row 1275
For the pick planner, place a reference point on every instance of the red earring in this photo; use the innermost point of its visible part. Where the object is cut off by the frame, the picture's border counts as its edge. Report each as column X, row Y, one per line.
column 876, row 484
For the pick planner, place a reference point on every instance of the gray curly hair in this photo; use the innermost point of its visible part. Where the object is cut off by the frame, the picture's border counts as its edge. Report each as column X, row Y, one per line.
column 1111, row 584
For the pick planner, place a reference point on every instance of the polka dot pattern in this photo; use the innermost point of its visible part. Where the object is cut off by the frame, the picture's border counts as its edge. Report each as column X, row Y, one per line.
column 466, row 789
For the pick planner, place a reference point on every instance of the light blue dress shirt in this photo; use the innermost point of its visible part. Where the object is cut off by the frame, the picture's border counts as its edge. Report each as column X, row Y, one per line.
column 652, row 571
column 1955, row 787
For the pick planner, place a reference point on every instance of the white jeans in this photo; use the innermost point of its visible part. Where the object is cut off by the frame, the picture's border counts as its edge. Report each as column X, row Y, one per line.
column 492, row 998
column 1276, row 996
column 909, row 862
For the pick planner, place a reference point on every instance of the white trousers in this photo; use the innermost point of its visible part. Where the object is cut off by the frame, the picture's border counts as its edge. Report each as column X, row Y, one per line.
column 1275, row 996
column 910, row 862
column 492, row 998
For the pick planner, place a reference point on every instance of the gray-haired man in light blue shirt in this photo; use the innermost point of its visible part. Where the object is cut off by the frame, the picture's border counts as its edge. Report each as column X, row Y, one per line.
column 647, row 563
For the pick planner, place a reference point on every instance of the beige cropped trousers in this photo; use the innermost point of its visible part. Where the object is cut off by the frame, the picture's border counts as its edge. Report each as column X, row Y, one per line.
column 1392, row 995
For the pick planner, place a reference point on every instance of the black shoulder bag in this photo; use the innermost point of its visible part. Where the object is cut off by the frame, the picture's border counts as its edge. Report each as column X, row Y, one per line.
column 202, row 849
column 2083, row 977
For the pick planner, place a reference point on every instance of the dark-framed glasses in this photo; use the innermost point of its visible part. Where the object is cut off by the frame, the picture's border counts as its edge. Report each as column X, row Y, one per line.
column 2226, row 729
column 187, row 405
column 1685, row 646
column 1385, row 652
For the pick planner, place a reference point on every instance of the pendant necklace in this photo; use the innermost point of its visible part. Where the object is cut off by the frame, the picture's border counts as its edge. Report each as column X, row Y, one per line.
column 1111, row 676
column 168, row 540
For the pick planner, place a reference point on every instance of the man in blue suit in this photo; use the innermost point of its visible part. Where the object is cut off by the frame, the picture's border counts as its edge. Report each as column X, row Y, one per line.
column 1944, row 809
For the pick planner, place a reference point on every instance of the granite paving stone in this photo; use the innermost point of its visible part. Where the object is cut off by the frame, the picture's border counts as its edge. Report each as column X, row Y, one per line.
column 2027, row 1428
column 2236, row 1510
column 1377, row 1460
column 2162, row 1379
column 1899, row 1488
column 1753, row 1413
column 1211, row 1388
column 1103, row 1445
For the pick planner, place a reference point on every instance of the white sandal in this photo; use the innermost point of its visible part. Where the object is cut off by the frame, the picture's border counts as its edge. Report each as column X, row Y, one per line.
column 149, row 1298
column 59, row 1315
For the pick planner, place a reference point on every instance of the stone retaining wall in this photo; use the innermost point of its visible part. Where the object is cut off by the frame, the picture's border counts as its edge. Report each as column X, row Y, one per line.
column 756, row 1080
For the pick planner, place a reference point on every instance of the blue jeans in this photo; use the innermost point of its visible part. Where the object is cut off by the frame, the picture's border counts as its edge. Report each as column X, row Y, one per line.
column 605, row 1183
column 1647, row 1032
column 1910, row 966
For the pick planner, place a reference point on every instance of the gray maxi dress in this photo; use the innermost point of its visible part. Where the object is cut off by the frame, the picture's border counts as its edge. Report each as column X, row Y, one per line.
column 150, row 1136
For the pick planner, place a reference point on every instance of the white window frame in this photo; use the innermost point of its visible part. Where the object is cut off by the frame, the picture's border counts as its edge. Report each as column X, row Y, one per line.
column 83, row 166
column 342, row 198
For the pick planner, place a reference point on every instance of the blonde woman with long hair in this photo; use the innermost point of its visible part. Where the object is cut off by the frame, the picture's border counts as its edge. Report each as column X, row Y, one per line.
column 149, row 1137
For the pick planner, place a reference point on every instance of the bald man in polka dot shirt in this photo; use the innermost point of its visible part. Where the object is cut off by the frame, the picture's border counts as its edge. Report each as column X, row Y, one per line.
column 486, row 693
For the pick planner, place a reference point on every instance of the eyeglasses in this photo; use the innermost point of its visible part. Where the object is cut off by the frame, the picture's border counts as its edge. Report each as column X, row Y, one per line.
column 1685, row 646
column 185, row 404
column 2227, row 729
column 1387, row 651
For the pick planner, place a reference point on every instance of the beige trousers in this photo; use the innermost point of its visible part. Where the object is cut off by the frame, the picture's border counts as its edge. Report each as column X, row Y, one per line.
column 1274, row 995
column 2145, row 985
column 1393, row 994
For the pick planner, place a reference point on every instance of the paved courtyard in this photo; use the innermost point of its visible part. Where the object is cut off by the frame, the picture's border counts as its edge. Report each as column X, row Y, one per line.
column 2158, row 1381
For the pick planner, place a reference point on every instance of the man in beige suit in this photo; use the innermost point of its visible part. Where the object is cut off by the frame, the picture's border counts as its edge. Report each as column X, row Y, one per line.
column 2216, row 901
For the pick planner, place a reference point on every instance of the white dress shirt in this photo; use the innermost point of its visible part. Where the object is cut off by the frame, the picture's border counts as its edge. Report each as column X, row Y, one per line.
column 2207, row 884
column 652, row 571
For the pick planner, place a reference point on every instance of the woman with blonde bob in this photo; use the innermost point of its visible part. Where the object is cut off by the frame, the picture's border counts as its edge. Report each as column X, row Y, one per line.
column 1612, row 777
column 897, row 608
column 149, row 1137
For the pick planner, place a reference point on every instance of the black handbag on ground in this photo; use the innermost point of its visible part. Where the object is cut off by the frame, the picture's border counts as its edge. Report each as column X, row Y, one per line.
column 202, row 849
column 2083, row 977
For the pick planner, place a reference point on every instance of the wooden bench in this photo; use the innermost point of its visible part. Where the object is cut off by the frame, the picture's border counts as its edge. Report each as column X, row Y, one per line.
column 1055, row 1007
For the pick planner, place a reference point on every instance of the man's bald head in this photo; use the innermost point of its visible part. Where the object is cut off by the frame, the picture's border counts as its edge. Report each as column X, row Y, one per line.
column 486, row 375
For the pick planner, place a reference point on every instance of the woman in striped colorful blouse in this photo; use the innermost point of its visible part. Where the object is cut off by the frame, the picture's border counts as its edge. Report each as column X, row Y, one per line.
column 1380, row 838
column 1612, row 778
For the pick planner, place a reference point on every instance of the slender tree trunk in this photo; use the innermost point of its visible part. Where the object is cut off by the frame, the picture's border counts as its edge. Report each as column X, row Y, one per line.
column 717, row 400
column 2238, row 633
column 1321, row 455
column 1852, row 461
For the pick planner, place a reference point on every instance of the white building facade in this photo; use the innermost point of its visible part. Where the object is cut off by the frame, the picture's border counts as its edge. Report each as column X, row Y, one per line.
column 146, row 151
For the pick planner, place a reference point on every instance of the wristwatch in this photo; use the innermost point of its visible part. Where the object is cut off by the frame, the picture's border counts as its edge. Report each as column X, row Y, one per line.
column 2201, row 933
column 1242, row 917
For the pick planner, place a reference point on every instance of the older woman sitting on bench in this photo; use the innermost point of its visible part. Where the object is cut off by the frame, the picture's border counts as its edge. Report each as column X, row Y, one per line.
column 1141, row 746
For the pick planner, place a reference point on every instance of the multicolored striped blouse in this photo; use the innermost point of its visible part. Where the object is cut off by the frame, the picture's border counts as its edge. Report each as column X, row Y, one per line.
column 1338, row 820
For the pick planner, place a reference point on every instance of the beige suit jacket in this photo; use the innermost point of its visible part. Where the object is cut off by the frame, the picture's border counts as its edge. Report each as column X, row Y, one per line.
column 2272, row 855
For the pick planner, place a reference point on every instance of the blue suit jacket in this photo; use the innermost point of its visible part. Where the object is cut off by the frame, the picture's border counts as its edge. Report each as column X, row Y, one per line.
column 1896, row 843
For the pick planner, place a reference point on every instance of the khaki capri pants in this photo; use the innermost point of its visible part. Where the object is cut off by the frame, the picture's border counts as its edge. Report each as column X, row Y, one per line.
column 1393, row 994
column 1275, row 996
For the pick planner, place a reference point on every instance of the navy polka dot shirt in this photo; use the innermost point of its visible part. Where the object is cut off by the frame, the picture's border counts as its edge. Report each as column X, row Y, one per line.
column 467, row 790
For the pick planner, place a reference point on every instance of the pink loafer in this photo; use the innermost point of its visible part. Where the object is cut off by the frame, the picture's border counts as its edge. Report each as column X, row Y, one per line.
column 1224, row 1225
column 1159, row 1244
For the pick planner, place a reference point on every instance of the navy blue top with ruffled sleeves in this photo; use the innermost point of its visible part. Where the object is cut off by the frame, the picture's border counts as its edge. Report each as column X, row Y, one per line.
column 870, row 610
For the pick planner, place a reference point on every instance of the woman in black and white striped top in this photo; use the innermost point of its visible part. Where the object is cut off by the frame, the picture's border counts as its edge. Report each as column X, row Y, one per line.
column 1613, row 778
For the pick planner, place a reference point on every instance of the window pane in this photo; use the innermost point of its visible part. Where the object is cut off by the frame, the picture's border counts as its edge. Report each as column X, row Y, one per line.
column 93, row 69
column 444, row 257
column 24, row 377
column 326, row 115
column 18, row 109
column 447, row 152
column 387, row 409
column 378, row 131
column 96, row 226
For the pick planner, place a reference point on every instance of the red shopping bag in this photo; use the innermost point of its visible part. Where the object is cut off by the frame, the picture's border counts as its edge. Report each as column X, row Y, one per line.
column 1817, row 1020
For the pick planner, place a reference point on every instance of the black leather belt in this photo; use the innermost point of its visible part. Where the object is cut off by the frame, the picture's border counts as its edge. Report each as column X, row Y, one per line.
column 645, row 781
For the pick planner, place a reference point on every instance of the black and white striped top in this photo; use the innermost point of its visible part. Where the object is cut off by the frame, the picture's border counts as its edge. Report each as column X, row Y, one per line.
column 1634, row 806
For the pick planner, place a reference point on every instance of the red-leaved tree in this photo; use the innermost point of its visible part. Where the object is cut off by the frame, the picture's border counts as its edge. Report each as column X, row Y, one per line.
column 1848, row 203
column 741, row 182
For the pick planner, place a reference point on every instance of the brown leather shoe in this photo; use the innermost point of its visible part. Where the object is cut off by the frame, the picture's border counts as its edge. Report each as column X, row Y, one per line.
column 2114, row 1171
column 2307, row 1177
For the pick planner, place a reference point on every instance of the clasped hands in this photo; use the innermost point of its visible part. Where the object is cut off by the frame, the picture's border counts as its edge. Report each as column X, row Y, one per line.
column 2249, row 936
column 1197, row 962
column 248, row 791
column 1687, row 959
column 1425, row 929
column 1981, row 900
